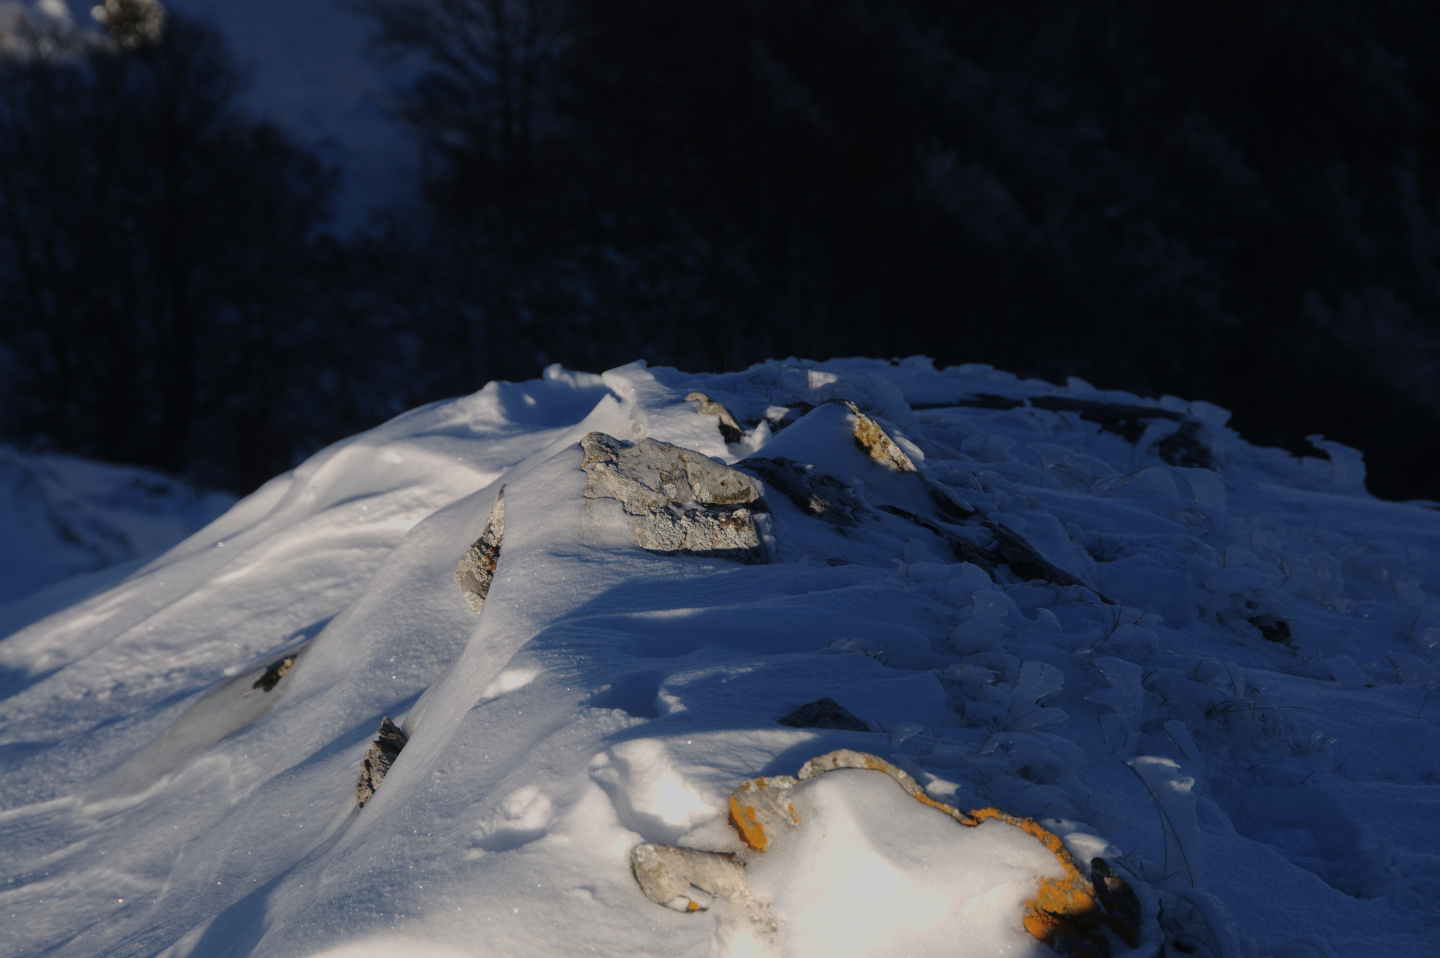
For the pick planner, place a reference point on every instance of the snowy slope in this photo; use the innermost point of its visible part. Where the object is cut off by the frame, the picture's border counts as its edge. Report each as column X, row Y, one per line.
column 61, row 516
column 310, row 71
column 1208, row 663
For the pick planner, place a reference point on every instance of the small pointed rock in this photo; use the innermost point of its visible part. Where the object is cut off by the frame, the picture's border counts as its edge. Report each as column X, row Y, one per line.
column 730, row 430
column 476, row 569
column 378, row 760
column 877, row 443
column 274, row 672
column 825, row 713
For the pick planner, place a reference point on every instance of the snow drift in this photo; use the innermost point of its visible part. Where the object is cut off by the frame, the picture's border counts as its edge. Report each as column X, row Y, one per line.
column 1205, row 664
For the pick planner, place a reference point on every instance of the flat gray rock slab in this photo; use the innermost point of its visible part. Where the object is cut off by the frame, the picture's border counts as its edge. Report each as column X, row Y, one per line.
column 682, row 501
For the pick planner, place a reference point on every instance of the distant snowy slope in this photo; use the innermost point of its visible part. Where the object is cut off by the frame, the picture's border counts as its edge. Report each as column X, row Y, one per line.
column 311, row 74
column 1207, row 667
column 62, row 515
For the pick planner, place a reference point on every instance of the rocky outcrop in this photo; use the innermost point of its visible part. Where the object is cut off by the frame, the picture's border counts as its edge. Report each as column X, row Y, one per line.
column 681, row 501
column 1075, row 915
column 476, row 569
column 378, row 760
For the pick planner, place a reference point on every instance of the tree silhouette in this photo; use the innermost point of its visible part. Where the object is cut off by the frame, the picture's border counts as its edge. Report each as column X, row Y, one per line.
column 152, row 240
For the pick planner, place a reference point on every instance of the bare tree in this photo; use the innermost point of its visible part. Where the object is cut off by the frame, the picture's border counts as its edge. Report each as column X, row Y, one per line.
column 482, row 94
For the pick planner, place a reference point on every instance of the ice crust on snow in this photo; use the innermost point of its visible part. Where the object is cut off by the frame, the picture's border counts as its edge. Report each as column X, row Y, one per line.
column 1262, row 796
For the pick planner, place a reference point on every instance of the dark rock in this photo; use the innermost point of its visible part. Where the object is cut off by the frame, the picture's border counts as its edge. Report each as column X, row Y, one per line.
column 822, row 496
column 274, row 672
column 378, row 760
column 1122, row 907
column 1273, row 629
column 825, row 713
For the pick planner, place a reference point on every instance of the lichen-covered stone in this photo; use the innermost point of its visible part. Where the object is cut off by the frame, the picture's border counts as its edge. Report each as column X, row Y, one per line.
column 1072, row 914
column 476, row 569
column 378, row 760
column 760, row 807
column 680, row 500
column 877, row 443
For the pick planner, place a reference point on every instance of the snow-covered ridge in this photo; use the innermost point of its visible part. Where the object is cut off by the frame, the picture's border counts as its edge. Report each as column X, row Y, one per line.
column 1206, row 663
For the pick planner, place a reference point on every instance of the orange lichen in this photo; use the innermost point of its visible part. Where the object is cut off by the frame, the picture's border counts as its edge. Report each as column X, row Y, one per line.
column 747, row 823
column 954, row 813
column 1064, row 913
column 1062, row 908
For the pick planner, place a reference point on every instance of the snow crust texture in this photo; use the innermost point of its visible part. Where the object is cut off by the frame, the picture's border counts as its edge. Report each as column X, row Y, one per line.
column 1203, row 668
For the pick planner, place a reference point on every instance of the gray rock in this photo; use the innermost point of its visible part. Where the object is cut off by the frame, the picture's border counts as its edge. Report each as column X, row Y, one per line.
column 681, row 500
column 670, row 875
column 476, row 569
column 378, row 760
column 651, row 475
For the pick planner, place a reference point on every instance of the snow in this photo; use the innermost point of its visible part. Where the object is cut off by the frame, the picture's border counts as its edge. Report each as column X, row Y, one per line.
column 1264, row 793
column 61, row 516
column 875, row 872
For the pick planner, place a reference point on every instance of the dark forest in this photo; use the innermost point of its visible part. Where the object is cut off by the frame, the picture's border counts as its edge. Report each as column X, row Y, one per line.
column 1237, row 202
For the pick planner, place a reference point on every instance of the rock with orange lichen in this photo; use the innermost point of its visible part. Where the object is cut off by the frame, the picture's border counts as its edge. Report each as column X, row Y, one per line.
column 1074, row 914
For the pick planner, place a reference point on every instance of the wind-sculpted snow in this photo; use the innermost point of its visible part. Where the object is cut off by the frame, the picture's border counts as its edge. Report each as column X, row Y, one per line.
column 1206, row 665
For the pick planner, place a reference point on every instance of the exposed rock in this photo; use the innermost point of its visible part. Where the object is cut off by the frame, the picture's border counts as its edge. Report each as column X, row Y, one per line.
column 1118, row 899
column 669, row 876
column 274, row 672
column 825, row 713
column 761, row 807
column 378, row 760
column 877, row 443
column 681, row 500
column 476, row 569
column 1272, row 628
column 1072, row 914
column 822, row 496
column 730, row 430
column 849, row 758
